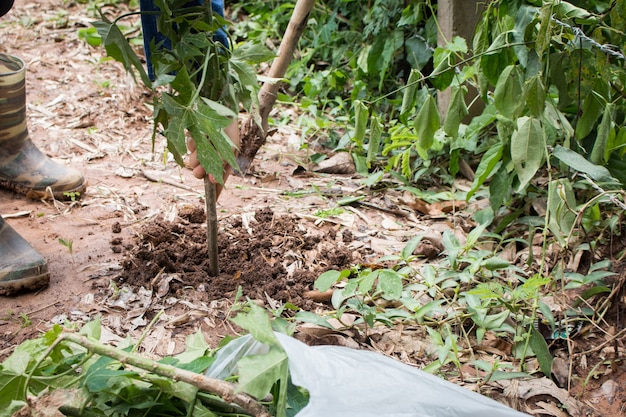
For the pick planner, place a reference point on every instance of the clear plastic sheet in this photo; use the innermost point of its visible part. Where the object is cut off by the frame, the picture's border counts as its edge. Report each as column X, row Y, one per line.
column 344, row 382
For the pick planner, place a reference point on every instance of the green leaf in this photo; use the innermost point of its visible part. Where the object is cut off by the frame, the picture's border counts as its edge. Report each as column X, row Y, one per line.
column 594, row 291
column 390, row 283
column 91, row 329
column 246, row 75
column 257, row 322
column 442, row 75
column 409, row 248
column 487, row 165
column 527, row 149
column 11, row 388
column 409, row 98
column 90, row 35
column 418, row 52
column 427, row 122
column 392, row 43
column 367, row 280
column 211, row 125
column 578, row 162
column 118, row 48
column 565, row 10
column 561, row 206
column 183, row 86
column 328, row 279
column 508, row 92
column 458, row 44
column 495, row 263
column 545, row 23
column 195, row 347
column 540, row 348
column 13, row 407
column 104, row 372
column 176, row 139
column 592, row 109
column 252, row 53
column 599, row 154
column 258, row 373
column 207, row 154
column 452, row 246
column 535, row 94
column 496, row 59
column 501, row 375
column 362, row 115
column 373, row 147
column 617, row 167
column 457, row 111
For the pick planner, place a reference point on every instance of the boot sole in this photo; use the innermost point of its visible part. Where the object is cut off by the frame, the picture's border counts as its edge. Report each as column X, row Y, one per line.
column 44, row 194
column 25, row 284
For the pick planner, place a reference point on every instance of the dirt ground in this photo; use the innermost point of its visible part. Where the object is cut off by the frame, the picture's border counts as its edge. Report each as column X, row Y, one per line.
column 138, row 234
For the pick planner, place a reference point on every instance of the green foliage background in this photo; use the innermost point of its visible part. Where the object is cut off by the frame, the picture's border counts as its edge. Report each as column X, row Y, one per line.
column 550, row 88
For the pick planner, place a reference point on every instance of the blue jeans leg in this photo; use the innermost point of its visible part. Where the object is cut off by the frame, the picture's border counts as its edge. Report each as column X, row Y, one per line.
column 151, row 32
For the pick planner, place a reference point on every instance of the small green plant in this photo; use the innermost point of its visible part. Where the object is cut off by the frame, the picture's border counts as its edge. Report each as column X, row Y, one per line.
column 595, row 276
column 324, row 214
column 25, row 321
column 470, row 288
column 69, row 244
column 72, row 195
column 8, row 315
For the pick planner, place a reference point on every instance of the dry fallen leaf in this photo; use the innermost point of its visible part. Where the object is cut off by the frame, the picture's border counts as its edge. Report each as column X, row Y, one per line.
column 340, row 163
column 543, row 388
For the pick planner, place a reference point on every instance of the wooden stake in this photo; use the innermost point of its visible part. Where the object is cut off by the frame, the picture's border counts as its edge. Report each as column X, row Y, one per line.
column 253, row 136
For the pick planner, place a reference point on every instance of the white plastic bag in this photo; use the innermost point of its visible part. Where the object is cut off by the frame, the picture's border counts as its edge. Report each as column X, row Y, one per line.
column 344, row 382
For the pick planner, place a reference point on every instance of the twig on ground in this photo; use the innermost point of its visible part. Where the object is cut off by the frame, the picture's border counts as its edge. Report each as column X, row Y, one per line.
column 154, row 178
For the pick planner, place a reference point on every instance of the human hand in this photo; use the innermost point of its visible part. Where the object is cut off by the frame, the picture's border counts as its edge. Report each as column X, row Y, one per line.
column 193, row 162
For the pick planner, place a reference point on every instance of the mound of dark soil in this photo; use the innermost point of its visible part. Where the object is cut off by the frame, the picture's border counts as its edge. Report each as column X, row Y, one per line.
column 266, row 255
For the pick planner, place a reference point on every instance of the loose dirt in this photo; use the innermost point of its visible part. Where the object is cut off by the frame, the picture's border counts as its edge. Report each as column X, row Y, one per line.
column 267, row 256
column 138, row 234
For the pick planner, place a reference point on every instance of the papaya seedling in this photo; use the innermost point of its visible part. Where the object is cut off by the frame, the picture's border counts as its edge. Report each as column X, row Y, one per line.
column 206, row 83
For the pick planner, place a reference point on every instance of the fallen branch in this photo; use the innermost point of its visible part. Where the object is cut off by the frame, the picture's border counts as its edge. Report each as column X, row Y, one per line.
column 223, row 389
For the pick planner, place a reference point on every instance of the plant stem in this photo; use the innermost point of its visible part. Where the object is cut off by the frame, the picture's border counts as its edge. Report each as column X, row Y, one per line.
column 211, row 222
column 224, row 389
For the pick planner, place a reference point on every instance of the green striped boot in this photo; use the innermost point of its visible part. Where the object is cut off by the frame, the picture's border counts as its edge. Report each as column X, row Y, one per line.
column 21, row 267
column 23, row 167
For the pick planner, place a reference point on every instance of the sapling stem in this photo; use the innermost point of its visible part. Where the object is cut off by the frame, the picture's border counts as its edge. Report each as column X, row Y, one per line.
column 211, row 223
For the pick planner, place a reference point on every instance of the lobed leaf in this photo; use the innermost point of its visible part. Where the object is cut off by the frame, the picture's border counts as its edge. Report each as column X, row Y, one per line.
column 118, row 48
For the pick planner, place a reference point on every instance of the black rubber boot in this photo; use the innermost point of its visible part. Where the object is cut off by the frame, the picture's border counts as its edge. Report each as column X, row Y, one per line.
column 23, row 167
column 22, row 268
